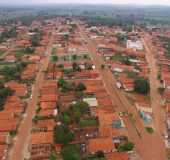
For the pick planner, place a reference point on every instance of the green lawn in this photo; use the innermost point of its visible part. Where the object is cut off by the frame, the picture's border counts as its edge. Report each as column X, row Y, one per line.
column 88, row 123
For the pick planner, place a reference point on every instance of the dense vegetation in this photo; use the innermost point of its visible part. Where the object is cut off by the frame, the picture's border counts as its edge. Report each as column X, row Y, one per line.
column 13, row 72
column 11, row 33
column 4, row 93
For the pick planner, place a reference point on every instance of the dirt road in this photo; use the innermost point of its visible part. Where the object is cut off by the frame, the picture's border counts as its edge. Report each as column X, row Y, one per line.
column 156, row 100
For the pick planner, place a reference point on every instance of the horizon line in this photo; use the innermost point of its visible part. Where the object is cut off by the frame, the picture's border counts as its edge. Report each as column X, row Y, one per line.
column 83, row 3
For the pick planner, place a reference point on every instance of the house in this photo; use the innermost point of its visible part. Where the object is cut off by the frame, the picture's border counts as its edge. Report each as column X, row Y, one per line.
column 135, row 45
column 145, row 111
column 10, row 58
column 91, row 101
column 105, row 145
column 166, row 81
column 47, row 105
column 48, row 98
column 3, row 151
column 8, row 125
column 87, row 74
column 14, row 104
column 47, row 113
column 45, row 125
column 105, row 102
column 20, row 89
column 58, row 148
column 118, row 156
column 29, row 72
column 166, row 95
column 4, row 138
column 34, row 58
column 125, row 82
column 41, row 145
column 143, row 106
column 118, row 67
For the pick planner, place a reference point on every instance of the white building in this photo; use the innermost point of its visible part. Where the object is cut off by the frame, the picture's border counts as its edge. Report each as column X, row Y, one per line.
column 136, row 45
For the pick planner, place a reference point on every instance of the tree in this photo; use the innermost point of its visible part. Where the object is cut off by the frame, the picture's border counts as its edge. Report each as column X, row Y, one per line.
column 62, row 134
column 81, row 106
column 53, row 157
column 35, row 39
column 127, row 146
column 102, row 66
column 161, row 90
column 80, row 87
column 4, row 93
column 142, row 85
column 74, row 57
column 54, row 58
column 121, row 38
column 79, row 94
column 76, row 67
column 61, row 82
column 71, row 152
column 65, row 118
column 29, row 50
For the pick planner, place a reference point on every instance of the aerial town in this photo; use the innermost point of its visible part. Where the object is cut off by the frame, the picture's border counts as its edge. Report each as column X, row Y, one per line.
column 72, row 90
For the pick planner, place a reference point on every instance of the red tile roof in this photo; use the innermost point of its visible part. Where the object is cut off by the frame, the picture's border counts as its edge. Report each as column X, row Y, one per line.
column 117, row 156
column 101, row 144
column 42, row 138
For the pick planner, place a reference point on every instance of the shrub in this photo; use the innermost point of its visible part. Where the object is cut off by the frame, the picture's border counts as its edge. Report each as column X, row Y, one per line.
column 127, row 146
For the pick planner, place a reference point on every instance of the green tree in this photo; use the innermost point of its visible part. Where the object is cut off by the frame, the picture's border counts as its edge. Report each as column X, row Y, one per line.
column 127, row 146
column 61, row 82
column 53, row 156
column 4, row 93
column 80, row 87
column 76, row 67
column 54, row 58
column 65, row 118
column 74, row 57
column 142, row 85
column 62, row 134
column 71, row 152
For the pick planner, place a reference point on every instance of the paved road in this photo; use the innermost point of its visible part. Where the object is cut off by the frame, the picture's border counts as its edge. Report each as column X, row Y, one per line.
column 21, row 143
column 148, row 146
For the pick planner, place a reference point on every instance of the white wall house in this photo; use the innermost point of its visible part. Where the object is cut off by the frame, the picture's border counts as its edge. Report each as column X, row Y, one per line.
column 136, row 45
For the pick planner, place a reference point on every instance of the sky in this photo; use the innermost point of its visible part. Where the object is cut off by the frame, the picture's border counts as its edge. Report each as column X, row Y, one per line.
column 143, row 2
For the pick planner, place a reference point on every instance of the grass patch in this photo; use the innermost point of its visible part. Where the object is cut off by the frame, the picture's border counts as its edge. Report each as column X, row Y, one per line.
column 88, row 123
column 149, row 130
column 117, row 57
